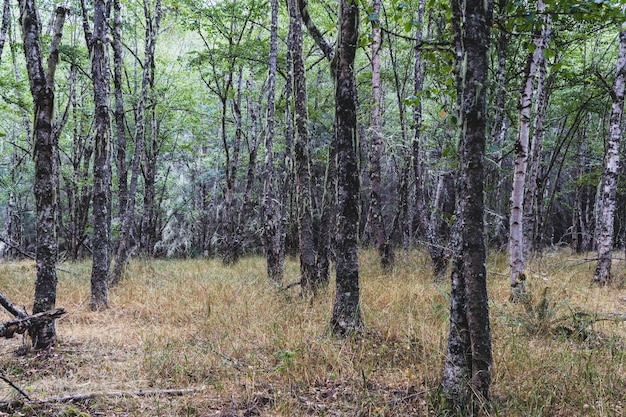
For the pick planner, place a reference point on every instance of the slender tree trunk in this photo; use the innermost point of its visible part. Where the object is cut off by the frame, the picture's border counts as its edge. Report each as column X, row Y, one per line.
column 324, row 242
column 78, row 190
column 247, row 212
column 6, row 14
column 611, row 166
column 375, row 215
column 516, row 235
column 495, row 178
column 416, row 144
column 45, row 155
column 273, row 227
column 97, row 44
column 532, row 197
column 150, row 157
column 120, row 128
column 124, row 249
column 346, row 316
column 302, row 157
column 467, row 370
column 232, row 243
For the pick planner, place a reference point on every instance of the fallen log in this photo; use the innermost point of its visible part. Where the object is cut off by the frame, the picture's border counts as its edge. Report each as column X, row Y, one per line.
column 21, row 324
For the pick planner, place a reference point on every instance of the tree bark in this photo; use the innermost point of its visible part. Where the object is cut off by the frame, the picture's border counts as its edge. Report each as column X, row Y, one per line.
column 467, row 370
column 611, row 165
column 101, row 242
column 302, row 157
column 232, row 242
column 516, row 235
column 273, row 230
column 125, row 246
column 375, row 215
column 45, row 154
column 120, row 123
column 531, row 197
column 6, row 14
column 346, row 317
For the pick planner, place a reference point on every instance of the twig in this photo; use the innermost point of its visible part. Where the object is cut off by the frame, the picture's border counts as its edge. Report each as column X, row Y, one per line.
column 15, row 387
column 17, row 248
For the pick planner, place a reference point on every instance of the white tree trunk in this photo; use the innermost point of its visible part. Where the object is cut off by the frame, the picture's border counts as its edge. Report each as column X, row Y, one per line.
column 516, row 236
column 608, row 185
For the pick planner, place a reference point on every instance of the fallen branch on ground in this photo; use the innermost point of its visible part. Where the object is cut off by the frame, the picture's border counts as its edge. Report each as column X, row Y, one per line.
column 20, row 325
column 15, row 387
column 76, row 398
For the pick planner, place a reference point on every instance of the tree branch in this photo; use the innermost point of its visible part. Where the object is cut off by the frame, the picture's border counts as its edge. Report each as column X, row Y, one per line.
column 20, row 325
column 11, row 308
column 318, row 37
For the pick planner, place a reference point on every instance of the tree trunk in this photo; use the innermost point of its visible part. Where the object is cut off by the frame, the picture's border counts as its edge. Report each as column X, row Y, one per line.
column 516, row 235
column 6, row 11
column 531, row 197
column 150, row 157
column 45, row 155
column 416, row 144
column 77, row 188
column 273, row 228
column 467, row 370
column 232, row 243
column 375, row 215
column 101, row 242
column 125, row 246
column 609, row 173
column 302, row 157
column 120, row 123
column 346, row 316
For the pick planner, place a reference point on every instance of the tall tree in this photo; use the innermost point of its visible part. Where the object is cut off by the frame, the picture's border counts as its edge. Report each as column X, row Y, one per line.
column 45, row 155
column 516, row 224
column 125, row 246
column 467, row 369
column 273, row 229
column 346, row 316
column 375, row 214
column 608, row 184
column 302, row 157
column 97, row 43
column 119, row 115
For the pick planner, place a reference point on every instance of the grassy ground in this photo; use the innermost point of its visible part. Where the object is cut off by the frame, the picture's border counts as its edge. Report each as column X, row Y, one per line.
column 251, row 350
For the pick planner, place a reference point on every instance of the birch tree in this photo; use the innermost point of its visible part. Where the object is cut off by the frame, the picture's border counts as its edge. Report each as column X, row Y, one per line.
column 97, row 43
column 45, row 155
column 375, row 214
column 346, row 316
column 126, row 243
column 467, row 369
column 516, row 235
column 273, row 231
column 608, row 183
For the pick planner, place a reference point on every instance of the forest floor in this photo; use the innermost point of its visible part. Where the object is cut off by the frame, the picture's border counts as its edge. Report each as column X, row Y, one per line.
column 242, row 348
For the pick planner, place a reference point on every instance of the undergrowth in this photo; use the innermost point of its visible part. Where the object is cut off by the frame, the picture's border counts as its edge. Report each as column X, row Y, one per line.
column 249, row 349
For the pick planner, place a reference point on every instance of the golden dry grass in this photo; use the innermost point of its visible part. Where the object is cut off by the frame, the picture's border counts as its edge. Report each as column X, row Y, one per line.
column 253, row 350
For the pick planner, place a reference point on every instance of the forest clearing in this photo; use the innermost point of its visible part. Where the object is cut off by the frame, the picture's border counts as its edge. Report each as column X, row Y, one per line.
column 250, row 349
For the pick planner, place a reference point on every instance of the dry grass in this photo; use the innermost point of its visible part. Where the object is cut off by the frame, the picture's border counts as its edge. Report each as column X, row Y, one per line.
column 256, row 351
